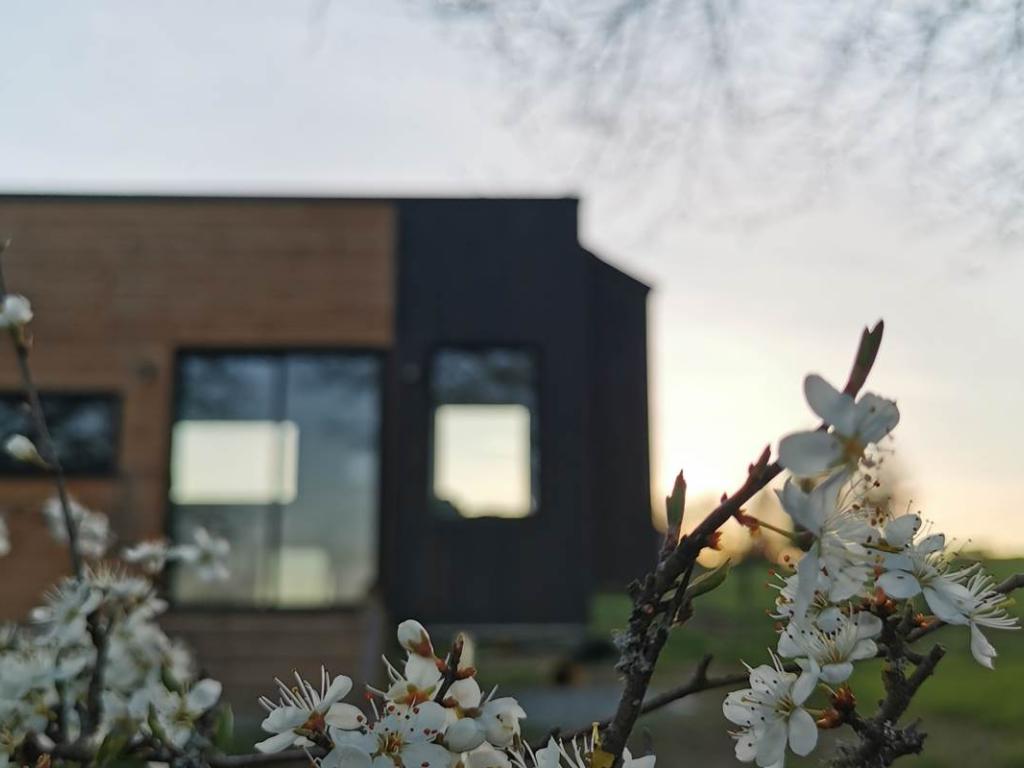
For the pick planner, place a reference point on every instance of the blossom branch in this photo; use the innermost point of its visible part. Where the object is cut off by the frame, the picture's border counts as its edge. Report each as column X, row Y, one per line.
column 648, row 625
column 47, row 449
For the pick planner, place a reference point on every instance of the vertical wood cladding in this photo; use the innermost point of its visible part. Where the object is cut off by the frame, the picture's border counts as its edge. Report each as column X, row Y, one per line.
column 118, row 284
column 494, row 272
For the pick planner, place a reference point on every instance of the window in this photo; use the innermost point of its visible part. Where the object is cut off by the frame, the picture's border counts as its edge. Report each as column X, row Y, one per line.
column 485, row 449
column 84, row 428
column 279, row 453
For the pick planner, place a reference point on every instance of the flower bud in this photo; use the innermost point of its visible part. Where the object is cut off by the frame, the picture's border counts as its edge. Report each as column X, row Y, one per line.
column 414, row 638
column 500, row 720
column 23, row 449
column 15, row 311
column 464, row 735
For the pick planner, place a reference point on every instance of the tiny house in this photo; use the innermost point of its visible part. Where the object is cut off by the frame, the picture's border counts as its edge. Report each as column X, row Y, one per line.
column 391, row 407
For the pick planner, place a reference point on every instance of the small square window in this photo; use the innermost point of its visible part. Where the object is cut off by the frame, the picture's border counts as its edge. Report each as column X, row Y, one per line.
column 485, row 455
column 84, row 429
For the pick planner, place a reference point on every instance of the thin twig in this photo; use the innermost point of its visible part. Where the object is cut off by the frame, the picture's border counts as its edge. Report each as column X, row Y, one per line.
column 45, row 442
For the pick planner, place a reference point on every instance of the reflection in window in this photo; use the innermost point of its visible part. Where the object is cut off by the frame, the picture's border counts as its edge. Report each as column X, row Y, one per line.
column 234, row 462
column 84, row 429
column 485, row 457
column 279, row 453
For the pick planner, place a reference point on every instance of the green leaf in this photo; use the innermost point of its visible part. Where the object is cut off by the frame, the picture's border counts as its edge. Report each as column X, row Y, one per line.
column 169, row 681
column 155, row 727
column 675, row 503
column 708, row 581
column 224, row 728
column 113, row 745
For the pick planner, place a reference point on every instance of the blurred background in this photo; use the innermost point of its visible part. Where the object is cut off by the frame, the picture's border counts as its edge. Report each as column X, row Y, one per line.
column 421, row 304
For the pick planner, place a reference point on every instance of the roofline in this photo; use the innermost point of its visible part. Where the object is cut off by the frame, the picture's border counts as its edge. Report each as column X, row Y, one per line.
column 640, row 283
column 228, row 197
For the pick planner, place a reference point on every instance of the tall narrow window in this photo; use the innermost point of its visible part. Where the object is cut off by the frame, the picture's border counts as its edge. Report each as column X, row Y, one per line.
column 485, row 448
column 279, row 453
column 84, row 428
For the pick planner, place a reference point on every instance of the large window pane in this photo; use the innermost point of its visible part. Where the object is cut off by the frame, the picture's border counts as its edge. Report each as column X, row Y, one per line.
column 485, row 448
column 280, row 454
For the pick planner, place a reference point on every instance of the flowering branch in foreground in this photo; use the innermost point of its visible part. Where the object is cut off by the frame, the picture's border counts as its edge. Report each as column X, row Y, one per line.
column 92, row 677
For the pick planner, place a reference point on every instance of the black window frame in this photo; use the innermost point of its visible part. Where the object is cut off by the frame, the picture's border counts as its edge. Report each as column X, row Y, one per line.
column 537, row 431
column 384, row 358
column 26, row 471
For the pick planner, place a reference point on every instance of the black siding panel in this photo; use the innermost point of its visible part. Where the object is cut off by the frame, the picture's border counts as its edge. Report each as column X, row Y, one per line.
column 502, row 272
column 625, row 540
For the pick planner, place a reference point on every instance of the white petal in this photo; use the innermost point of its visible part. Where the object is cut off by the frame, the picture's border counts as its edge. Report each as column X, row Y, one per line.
column 982, row 650
column 803, row 733
column 746, row 747
column 864, row 649
column 486, row 758
column 423, row 755
column 830, row 404
column 426, row 720
column 798, row 506
column 464, row 735
column 738, row 708
column 804, row 685
column 830, row 619
column 789, row 641
column 337, row 690
column 899, row 585
column 833, row 674
column 203, row 695
column 276, row 743
column 807, row 454
column 345, row 716
column 900, row 530
column 284, row 719
column 808, row 572
column 876, row 417
column 934, row 543
column 771, row 746
column 465, row 693
column 351, row 757
column 868, row 625
column 422, row 671
column 943, row 607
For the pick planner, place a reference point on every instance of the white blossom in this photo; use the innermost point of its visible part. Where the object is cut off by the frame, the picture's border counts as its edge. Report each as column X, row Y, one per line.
column 837, row 550
column 93, row 528
column 854, row 426
column 771, row 715
column 832, row 652
column 304, row 708
column 407, row 740
column 207, row 553
column 177, row 712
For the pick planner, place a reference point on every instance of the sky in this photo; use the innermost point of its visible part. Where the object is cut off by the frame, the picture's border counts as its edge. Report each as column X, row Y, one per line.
column 367, row 97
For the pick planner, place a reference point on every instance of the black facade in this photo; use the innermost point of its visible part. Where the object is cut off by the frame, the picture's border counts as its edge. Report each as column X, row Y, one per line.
column 511, row 275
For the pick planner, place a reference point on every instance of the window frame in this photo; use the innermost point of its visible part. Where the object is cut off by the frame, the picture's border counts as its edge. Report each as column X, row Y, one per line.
column 535, row 352
column 385, row 362
column 32, row 472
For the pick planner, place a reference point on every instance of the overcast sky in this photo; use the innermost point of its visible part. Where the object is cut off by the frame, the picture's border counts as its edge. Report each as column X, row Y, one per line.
column 368, row 98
